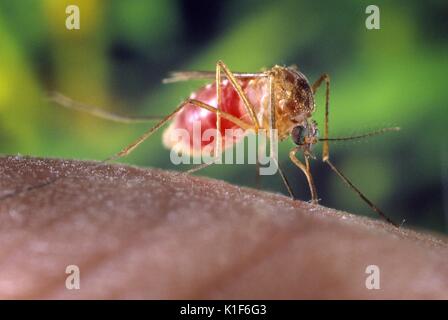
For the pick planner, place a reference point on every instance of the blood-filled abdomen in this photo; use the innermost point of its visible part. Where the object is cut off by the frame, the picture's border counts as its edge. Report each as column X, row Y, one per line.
column 191, row 116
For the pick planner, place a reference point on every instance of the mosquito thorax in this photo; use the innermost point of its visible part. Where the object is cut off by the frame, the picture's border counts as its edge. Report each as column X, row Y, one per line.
column 293, row 98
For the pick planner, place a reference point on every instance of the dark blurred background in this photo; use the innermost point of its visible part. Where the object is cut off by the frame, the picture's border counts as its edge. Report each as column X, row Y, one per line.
column 394, row 76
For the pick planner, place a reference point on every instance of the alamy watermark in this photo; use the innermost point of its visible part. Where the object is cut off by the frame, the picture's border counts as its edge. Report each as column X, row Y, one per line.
column 73, row 280
column 373, row 278
column 200, row 148
column 72, row 22
column 373, row 19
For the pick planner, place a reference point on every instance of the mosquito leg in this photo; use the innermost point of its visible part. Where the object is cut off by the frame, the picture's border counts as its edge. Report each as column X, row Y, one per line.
column 325, row 77
column 218, row 113
column 131, row 147
column 311, row 184
column 220, row 66
column 272, row 125
column 360, row 194
column 126, row 151
column 274, row 138
column 257, row 175
column 178, row 76
column 218, row 144
column 306, row 170
column 69, row 103
column 285, row 180
column 326, row 151
column 257, row 165
column 199, row 167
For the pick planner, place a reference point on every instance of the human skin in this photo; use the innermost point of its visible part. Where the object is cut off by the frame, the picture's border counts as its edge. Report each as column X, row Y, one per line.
column 148, row 233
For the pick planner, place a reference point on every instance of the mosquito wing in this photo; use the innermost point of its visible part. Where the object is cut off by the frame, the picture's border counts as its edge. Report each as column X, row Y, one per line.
column 177, row 76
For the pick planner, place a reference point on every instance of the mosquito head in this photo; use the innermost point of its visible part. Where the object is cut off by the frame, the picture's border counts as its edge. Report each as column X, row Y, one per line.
column 305, row 134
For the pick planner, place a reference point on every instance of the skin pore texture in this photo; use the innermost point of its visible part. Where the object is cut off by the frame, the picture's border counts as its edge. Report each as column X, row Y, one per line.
column 149, row 233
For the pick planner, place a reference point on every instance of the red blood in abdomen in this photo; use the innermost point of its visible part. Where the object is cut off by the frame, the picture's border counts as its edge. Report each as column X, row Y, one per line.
column 230, row 103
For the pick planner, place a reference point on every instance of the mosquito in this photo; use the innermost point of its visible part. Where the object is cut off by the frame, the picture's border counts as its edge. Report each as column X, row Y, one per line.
column 278, row 98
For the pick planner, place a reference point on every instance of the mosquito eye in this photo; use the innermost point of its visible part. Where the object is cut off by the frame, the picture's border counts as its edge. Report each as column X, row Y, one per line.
column 298, row 135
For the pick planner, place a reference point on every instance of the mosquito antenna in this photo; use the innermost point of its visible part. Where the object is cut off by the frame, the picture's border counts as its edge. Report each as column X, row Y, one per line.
column 361, row 195
column 365, row 135
column 69, row 103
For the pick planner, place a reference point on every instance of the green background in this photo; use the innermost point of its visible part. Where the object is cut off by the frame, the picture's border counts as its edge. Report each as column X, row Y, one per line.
column 394, row 76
